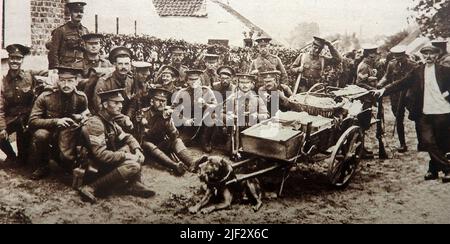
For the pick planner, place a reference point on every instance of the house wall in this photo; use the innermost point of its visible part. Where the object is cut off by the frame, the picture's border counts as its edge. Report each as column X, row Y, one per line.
column 218, row 25
column 46, row 15
column 17, row 22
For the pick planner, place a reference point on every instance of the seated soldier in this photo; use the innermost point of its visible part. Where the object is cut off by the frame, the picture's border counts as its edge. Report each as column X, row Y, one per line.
column 196, row 99
column 275, row 95
column 161, row 136
column 139, row 98
column 55, row 120
column 115, row 154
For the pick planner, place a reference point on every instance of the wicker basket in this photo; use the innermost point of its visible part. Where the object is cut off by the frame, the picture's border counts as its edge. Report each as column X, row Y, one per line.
column 311, row 109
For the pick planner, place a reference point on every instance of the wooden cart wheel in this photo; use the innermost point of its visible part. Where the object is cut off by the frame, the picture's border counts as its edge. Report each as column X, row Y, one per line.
column 345, row 157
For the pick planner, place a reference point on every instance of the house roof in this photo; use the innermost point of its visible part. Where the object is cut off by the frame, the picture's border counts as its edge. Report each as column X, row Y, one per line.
column 181, row 8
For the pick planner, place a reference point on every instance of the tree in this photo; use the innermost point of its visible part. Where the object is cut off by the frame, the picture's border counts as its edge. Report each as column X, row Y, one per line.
column 433, row 17
column 393, row 41
column 303, row 34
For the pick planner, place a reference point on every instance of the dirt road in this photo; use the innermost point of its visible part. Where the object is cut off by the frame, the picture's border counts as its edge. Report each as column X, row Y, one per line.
column 390, row 191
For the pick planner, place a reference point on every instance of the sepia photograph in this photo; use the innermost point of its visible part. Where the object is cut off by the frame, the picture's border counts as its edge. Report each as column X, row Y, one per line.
column 225, row 112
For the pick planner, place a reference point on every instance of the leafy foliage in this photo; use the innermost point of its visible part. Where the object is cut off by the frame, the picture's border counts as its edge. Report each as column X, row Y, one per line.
column 433, row 17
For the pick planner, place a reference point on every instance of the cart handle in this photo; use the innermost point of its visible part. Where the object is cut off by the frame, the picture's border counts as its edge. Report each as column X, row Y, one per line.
column 240, row 178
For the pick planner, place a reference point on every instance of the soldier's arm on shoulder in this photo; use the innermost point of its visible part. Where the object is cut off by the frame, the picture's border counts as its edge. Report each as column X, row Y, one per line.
column 97, row 143
column 37, row 120
column 53, row 54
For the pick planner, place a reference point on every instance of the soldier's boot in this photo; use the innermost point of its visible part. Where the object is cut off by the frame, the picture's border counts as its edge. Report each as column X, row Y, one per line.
column 382, row 152
column 40, row 173
column 163, row 159
column 23, row 146
column 101, row 186
column 366, row 154
column 7, row 149
column 138, row 189
column 188, row 160
column 205, row 139
column 401, row 137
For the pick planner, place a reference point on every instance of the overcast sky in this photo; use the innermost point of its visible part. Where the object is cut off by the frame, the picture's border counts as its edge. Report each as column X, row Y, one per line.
column 279, row 17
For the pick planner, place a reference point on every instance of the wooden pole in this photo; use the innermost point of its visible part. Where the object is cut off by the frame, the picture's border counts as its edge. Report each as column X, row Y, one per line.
column 3, row 24
column 135, row 28
column 96, row 23
column 117, row 25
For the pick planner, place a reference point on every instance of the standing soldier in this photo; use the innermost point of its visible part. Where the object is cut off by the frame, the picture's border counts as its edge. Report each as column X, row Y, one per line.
column 66, row 47
column 17, row 95
column 209, row 77
column 367, row 78
column 115, row 154
column 398, row 68
column 121, row 78
column 275, row 95
column 367, row 72
column 200, row 99
column 167, row 79
column 93, row 65
column 177, row 55
column 267, row 62
column 444, row 58
column 161, row 136
column 311, row 65
column 225, row 84
column 92, row 62
column 55, row 119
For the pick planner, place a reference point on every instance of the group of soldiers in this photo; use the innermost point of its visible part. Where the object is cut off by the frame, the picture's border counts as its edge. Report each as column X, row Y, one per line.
column 106, row 117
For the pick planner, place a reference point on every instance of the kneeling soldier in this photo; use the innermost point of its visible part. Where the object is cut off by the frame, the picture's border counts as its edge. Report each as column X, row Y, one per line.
column 115, row 154
column 162, row 136
column 55, row 119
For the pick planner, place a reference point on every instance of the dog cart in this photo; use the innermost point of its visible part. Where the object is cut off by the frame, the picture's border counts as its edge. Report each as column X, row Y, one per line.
column 327, row 124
